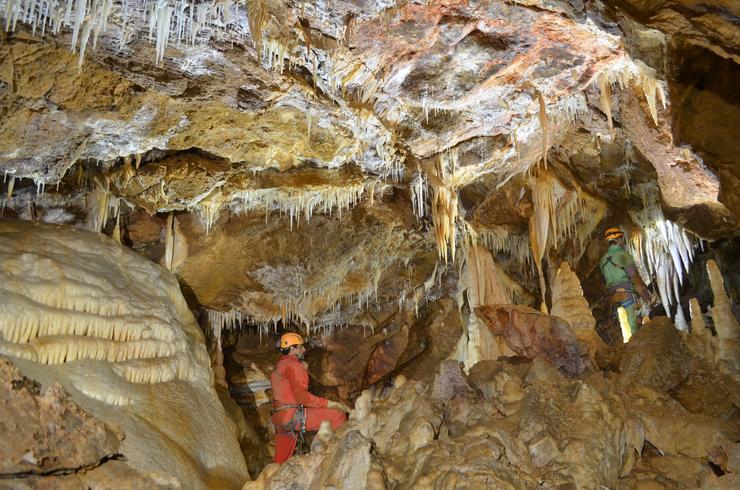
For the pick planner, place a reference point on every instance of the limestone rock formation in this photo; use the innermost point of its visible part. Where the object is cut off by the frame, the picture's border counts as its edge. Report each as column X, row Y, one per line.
column 522, row 424
column 532, row 334
column 72, row 439
column 398, row 181
column 114, row 330
column 75, row 448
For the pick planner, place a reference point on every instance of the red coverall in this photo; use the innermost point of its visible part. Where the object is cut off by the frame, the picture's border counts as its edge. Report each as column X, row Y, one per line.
column 290, row 387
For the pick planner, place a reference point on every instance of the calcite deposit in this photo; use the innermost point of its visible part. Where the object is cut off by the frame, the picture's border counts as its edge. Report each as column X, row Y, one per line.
column 418, row 187
column 114, row 330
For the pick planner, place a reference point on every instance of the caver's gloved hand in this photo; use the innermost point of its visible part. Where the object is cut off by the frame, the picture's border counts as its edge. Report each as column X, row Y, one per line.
column 338, row 405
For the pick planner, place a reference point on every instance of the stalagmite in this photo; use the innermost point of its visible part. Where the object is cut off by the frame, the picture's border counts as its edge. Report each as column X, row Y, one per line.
column 117, row 228
column 569, row 303
column 698, row 326
column 725, row 323
column 707, row 343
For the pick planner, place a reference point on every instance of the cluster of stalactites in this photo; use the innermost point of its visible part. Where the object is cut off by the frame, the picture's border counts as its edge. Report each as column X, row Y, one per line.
column 499, row 239
column 100, row 205
column 662, row 249
column 302, row 202
column 68, row 329
column 419, row 296
column 445, row 178
column 315, row 310
column 168, row 20
column 482, row 282
column 296, row 203
column 318, row 310
column 341, row 77
column 627, row 72
column 559, row 213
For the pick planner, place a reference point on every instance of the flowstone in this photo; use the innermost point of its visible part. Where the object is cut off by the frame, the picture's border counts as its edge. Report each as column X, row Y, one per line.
column 113, row 329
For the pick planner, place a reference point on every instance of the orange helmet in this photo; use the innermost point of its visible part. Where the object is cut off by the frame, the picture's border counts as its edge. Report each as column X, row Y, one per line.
column 613, row 234
column 290, row 339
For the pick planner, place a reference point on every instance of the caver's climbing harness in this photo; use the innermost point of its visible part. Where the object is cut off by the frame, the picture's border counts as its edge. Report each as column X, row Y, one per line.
column 296, row 426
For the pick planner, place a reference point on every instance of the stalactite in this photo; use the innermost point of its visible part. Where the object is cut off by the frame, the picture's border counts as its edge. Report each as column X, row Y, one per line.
column 606, row 97
column 210, row 206
column 539, row 226
column 169, row 241
column 99, row 205
column 11, row 184
column 257, row 12
column 419, row 194
column 544, row 124
column 680, row 320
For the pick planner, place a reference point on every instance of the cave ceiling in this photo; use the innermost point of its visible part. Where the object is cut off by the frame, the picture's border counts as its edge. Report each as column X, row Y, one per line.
column 298, row 160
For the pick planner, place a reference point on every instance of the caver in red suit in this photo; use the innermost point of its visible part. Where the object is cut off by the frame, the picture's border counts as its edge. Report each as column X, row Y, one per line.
column 290, row 387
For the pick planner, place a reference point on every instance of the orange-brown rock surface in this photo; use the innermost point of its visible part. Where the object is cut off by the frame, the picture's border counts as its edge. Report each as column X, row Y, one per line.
column 532, row 334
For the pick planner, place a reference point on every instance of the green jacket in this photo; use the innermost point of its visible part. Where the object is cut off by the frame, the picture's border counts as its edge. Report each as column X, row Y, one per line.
column 614, row 267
